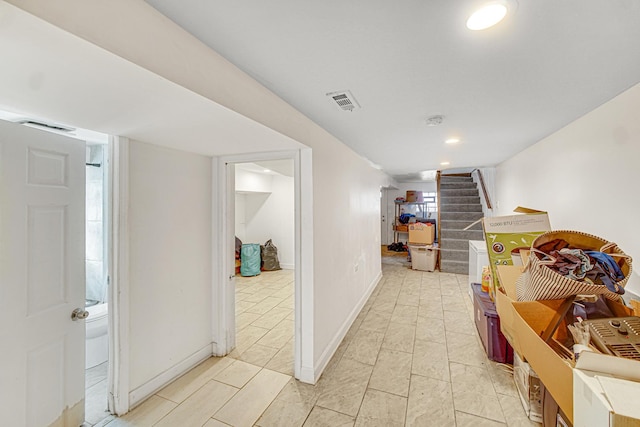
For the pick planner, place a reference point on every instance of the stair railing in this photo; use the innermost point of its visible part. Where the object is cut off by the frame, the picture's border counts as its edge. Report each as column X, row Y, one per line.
column 438, row 226
column 485, row 193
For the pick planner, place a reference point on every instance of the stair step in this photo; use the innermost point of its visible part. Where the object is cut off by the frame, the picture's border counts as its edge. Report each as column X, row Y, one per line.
column 457, row 267
column 459, row 224
column 454, row 254
column 454, row 244
column 462, row 235
column 467, row 200
column 449, row 178
column 459, row 207
column 456, row 192
column 463, row 216
column 454, row 185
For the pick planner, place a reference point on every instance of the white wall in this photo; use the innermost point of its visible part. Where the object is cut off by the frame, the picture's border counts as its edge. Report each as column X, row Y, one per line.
column 346, row 189
column 170, row 258
column 266, row 211
column 586, row 176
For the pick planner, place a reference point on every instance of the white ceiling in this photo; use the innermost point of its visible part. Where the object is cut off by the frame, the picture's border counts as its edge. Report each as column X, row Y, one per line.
column 500, row 90
column 54, row 76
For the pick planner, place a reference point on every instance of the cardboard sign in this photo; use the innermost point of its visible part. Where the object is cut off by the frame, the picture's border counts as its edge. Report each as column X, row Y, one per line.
column 506, row 236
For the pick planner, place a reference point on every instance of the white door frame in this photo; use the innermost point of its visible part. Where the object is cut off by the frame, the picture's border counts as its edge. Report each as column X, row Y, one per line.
column 118, row 259
column 223, row 262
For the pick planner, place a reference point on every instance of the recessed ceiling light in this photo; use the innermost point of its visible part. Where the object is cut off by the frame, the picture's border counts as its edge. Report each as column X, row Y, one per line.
column 452, row 141
column 266, row 170
column 488, row 15
column 445, row 163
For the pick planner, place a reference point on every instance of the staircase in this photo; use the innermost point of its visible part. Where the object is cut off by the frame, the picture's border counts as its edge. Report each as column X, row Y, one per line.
column 459, row 206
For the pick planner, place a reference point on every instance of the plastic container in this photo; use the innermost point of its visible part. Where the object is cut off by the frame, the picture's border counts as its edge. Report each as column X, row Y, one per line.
column 488, row 325
column 423, row 257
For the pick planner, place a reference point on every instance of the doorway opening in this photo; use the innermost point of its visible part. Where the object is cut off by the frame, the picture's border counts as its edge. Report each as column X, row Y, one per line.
column 97, row 280
column 265, row 264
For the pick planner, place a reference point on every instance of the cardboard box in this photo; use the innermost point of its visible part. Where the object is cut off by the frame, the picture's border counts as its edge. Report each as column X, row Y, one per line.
column 423, row 257
column 422, row 233
column 505, row 236
column 522, row 323
column 529, row 388
column 414, row 196
column 602, row 400
column 403, row 228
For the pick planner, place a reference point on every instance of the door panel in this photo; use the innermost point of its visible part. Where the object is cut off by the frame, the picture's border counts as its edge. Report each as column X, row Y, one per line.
column 42, row 277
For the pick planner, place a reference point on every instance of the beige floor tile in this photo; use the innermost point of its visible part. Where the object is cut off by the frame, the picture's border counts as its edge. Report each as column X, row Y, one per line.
column 190, row 382
column 409, row 298
column 430, row 329
column 376, row 321
column 146, row 414
column 405, row 314
column 457, row 322
column 430, row 360
column 214, row 423
column 287, row 303
column 466, row 349
column 245, row 319
column 514, row 412
column 237, row 374
column 270, row 319
column 399, row 337
column 430, row 403
column 345, row 388
column 473, row 392
column 265, row 305
column 258, row 355
column 382, row 409
column 468, row 420
column 283, row 360
column 248, row 337
column 454, row 303
column 430, row 309
column 200, row 406
column 392, row 372
column 291, row 407
column 278, row 336
column 248, row 404
column 242, row 306
column 384, row 305
column 364, row 346
column 322, row 417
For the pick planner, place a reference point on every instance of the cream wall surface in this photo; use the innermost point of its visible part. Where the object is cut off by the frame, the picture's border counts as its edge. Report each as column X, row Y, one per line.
column 170, row 258
column 586, row 176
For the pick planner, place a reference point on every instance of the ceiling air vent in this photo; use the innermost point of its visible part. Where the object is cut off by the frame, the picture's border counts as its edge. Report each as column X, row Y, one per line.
column 345, row 100
column 46, row 126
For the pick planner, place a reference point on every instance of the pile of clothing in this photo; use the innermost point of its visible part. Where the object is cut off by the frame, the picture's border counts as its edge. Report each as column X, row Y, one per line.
column 594, row 267
column 397, row 247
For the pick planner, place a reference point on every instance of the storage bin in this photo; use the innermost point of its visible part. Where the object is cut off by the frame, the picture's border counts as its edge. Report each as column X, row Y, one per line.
column 423, row 257
column 488, row 325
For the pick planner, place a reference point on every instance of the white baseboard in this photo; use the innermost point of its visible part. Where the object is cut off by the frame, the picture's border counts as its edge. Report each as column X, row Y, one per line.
column 287, row 266
column 328, row 353
column 147, row 389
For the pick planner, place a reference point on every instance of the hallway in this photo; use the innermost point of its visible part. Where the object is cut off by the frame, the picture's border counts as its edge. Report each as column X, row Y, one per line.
column 412, row 358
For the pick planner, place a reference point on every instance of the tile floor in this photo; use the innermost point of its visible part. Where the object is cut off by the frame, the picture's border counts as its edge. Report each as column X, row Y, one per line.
column 95, row 404
column 411, row 358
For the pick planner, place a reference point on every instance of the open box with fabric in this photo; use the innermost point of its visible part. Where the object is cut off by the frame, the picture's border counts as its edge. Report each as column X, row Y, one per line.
column 524, row 323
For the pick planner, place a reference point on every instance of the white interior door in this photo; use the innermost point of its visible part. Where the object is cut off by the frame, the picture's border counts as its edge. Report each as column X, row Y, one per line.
column 384, row 217
column 42, row 277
